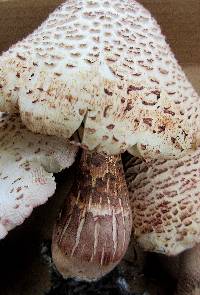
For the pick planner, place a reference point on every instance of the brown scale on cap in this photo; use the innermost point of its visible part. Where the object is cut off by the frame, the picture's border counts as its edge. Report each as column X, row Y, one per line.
column 92, row 232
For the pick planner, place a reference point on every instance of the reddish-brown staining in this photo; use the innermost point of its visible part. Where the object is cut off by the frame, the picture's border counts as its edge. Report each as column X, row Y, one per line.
column 36, row 100
column 90, row 61
column 70, row 98
column 148, row 103
column 161, row 128
column 18, row 189
column 105, row 113
column 40, row 89
column 111, row 60
column 108, row 92
column 154, row 81
column 110, row 127
column 168, row 111
column 57, row 74
column 70, row 66
column 106, row 48
column 21, row 57
column 134, row 88
column 128, row 106
column 148, row 121
column 81, row 112
column 115, row 139
column 105, row 137
column 156, row 92
column 51, row 64
column 187, row 222
column 172, row 93
column 136, row 123
column 173, row 140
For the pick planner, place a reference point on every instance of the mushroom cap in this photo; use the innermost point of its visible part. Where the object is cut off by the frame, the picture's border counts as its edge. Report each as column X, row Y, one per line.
column 107, row 64
column 27, row 164
column 165, row 200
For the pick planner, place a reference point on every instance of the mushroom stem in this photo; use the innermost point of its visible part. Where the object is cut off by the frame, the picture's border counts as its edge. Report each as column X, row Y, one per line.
column 189, row 273
column 93, row 230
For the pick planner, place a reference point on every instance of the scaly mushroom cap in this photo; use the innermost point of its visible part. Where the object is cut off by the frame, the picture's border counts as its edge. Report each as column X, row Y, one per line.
column 165, row 200
column 104, row 63
column 27, row 164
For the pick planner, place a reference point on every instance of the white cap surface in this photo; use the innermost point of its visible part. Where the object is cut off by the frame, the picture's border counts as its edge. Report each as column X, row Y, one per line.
column 107, row 64
column 165, row 201
column 27, row 164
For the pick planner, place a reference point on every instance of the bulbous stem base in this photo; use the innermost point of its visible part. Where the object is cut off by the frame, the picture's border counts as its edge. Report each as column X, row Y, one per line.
column 93, row 230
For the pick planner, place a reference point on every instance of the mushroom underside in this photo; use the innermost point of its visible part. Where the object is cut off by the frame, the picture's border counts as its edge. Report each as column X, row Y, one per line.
column 27, row 164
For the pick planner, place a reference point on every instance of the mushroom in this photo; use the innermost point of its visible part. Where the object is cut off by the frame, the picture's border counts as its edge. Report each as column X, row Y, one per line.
column 104, row 64
column 165, row 203
column 27, row 164
column 164, row 194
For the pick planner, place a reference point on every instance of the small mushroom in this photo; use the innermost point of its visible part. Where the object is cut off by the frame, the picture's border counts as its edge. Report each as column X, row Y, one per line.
column 104, row 64
column 164, row 197
column 27, row 164
column 92, row 232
